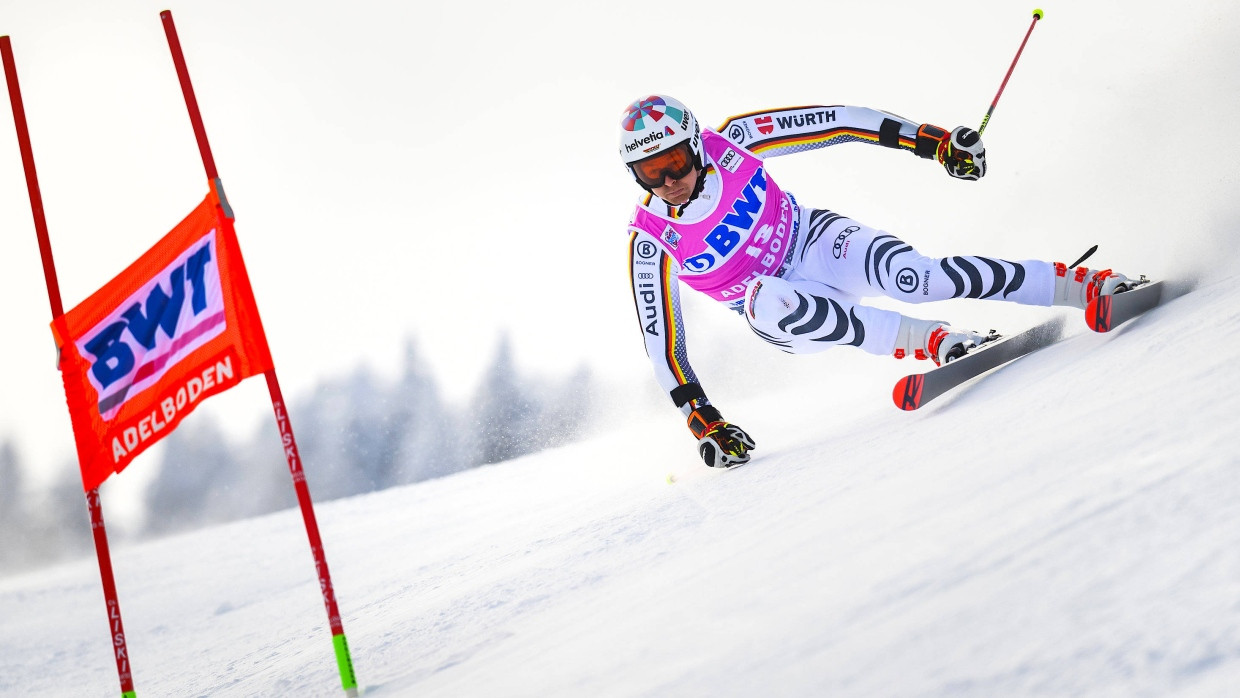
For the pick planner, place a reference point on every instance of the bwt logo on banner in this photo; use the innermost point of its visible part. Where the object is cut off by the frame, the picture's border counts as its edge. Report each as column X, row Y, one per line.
column 178, row 310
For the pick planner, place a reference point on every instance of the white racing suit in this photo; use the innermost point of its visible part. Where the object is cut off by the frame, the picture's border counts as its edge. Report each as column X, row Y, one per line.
column 796, row 274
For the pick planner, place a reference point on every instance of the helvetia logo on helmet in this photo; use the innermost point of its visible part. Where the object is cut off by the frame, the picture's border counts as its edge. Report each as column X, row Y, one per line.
column 639, row 142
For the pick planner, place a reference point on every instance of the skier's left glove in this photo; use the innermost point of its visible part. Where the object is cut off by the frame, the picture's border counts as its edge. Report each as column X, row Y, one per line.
column 721, row 444
column 960, row 152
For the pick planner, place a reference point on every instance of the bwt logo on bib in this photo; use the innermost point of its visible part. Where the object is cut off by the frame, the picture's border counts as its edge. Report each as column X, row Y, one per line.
column 174, row 313
column 725, row 239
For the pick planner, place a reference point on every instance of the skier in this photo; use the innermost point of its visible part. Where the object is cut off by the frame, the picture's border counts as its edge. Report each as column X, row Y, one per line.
column 714, row 219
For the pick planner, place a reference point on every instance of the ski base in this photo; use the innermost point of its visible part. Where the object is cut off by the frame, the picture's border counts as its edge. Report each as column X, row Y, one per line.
column 913, row 391
column 1105, row 313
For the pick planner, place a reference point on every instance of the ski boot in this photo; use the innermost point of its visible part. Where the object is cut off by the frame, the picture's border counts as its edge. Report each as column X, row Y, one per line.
column 936, row 340
column 1076, row 287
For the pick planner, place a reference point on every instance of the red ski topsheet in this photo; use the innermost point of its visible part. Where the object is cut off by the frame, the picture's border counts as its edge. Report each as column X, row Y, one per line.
column 137, row 356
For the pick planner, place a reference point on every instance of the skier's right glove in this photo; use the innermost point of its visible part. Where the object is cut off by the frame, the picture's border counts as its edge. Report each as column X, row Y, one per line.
column 960, row 152
column 721, row 444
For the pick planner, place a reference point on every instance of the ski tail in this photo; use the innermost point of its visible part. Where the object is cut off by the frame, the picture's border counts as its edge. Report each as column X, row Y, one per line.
column 907, row 393
column 1105, row 313
column 1098, row 315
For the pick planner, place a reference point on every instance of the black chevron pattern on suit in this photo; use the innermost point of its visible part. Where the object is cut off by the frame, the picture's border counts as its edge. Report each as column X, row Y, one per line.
column 967, row 277
column 812, row 315
column 819, row 220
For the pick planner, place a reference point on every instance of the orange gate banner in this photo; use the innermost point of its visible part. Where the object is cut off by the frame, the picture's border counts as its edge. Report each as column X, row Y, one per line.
column 176, row 327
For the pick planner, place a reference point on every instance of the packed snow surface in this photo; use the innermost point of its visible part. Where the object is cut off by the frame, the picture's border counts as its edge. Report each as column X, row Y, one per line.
column 1066, row 525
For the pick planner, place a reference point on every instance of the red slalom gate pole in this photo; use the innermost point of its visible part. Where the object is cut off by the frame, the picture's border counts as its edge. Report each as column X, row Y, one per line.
column 94, row 502
column 1037, row 15
column 344, row 660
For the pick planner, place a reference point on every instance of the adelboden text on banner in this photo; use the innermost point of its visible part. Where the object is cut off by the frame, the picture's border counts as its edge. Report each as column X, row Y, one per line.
column 179, row 325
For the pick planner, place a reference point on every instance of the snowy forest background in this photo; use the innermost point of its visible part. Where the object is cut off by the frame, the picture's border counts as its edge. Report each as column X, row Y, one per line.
column 357, row 433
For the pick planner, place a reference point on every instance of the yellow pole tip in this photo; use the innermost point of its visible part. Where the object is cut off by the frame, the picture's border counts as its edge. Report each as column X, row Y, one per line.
column 1038, row 14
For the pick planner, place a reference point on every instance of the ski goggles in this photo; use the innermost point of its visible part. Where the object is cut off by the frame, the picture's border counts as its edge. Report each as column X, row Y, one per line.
column 675, row 163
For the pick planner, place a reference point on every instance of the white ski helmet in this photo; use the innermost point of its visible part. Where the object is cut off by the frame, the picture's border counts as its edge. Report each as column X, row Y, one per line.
column 655, row 124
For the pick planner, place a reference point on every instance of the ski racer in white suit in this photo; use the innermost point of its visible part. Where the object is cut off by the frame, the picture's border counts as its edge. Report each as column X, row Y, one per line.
column 714, row 220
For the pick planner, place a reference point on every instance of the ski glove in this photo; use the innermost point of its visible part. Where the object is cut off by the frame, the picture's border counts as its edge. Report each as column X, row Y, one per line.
column 721, row 444
column 960, row 152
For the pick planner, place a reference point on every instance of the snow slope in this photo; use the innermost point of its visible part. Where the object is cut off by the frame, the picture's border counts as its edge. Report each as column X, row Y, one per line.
column 1069, row 525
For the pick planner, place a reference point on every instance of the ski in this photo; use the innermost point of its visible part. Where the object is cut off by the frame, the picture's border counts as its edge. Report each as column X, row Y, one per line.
column 1105, row 313
column 913, row 391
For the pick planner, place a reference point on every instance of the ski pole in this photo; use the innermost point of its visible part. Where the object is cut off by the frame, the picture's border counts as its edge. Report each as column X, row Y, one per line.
column 1037, row 14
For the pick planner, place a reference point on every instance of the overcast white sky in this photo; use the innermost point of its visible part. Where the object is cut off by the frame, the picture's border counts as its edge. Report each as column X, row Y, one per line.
column 448, row 172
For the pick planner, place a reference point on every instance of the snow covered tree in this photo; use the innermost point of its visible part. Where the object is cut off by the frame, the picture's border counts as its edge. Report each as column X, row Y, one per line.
column 505, row 410
column 514, row 415
column 43, row 523
column 566, row 408
column 198, row 476
column 427, row 435
column 362, row 433
column 341, row 433
column 370, row 434
column 11, row 519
